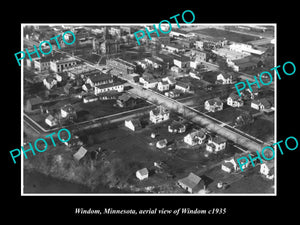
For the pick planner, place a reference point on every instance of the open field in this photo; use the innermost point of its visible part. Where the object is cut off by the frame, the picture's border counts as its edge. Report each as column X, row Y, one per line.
column 231, row 36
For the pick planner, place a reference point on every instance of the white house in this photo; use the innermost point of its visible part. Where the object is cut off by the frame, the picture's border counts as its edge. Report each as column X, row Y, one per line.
column 234, row 100
column 163, row 86
column 171, row 80
column 224, row 78
column 49, row 82
column 195, row 137
column 67, row 110
column 133, row 124
column 90, row 98
column 51, row 121
column 213, row 105
column 142, row 174
column 230, row 165
column 216, row 144
column 175, row 69
column 267, row 169
column 192, row 183
column 184, row 87
column 176, row 127
column 261, row 104
column 159, row 114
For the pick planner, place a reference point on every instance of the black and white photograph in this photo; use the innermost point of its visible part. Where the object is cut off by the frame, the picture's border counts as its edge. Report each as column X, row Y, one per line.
column 149, row 110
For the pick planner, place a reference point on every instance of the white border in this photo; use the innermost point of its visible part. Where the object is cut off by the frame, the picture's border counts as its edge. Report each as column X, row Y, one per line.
column 138, row 194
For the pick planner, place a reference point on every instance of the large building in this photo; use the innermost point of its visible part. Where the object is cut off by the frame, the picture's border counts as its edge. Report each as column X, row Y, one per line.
column 63, row 64
column 121, row 65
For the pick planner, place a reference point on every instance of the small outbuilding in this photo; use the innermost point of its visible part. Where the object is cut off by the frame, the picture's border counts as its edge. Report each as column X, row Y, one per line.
column 80, row 153
column 142, row 174
column 133, row 124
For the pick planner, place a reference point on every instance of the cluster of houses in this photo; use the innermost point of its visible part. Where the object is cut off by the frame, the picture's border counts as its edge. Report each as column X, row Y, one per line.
column 196, row 137
column 230, row 166
column 66, row 113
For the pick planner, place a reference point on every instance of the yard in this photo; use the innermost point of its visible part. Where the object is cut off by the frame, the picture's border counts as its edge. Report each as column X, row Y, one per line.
column 231, row 36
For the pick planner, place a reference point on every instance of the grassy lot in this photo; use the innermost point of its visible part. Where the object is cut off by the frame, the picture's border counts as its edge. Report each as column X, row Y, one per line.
column 231, row 36
column 261, row 128
column 249, row 181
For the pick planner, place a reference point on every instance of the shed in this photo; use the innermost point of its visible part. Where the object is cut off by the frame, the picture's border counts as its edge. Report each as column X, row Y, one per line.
column 190, row 183
column 80, row 153
column 142, row 174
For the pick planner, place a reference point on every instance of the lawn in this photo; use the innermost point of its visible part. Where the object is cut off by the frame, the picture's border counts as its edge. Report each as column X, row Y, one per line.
column 231, row 36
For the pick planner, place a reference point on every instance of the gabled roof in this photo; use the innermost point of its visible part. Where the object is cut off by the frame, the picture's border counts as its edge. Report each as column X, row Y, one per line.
column 190, row 181
column 182, row 84
column 234, row 96
column 214, row 101
column 98, row 78
column 197, row 133
column 218, row 140
column 160, row 110
column 143, row 172
column 80, row 153
column 265, row 103
column 35, row 101
column 135, row 122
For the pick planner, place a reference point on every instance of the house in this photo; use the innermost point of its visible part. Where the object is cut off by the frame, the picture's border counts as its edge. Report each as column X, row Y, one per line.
column 261, row 104
column 230, row 165
column 171, row 80
column 224, row 78
column 195, row 74
column 216, row 144
column 255, row 104
column 184, row 87
column 254, row 92
column 198, row 55
column 80, row 153
column 87, row 87
column 265, row 104
column 176, row 127
column 155, row 63
column 142, row 174
column 159, row 114
column 163, row 86
column 175, row 69
column 181, row 61
column 90, row 98
column 74, row 141
column 213, row 105
column 192, row 183
column 173, row 94
column 133, row 124
column 68, row 111
column 33, row 103
column 243, row 119
column 61, row 76
column 267, row 169
column 245, row 63
column 161, row 143
column 49, row 82
column 234, row 100
column 126, row 100
column 196, row 137
column 51, row 121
